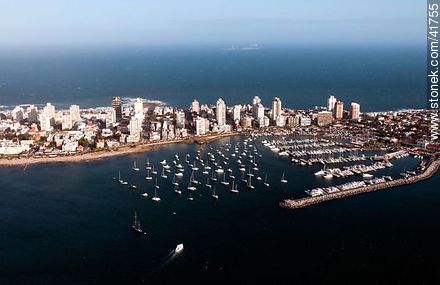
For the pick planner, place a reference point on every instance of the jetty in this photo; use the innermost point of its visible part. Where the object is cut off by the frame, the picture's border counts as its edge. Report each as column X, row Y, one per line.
column 427, row 172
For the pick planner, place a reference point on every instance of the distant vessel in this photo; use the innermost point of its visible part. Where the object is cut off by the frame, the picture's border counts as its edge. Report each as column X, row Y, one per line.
column 214, row 195
column 367, row 176
column 136, row 226
column 155, row 197
column 283, row 179
column 224, row 182
column 249, row 183
column 154, row 172
column 135, row 168
column 265, row 181
column 234, row 188
column 133, row 187
column 179, row 248
column 120, row 179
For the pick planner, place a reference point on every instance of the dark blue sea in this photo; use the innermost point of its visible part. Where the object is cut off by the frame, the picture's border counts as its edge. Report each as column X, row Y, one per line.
column 70, row 224
column 379, row 78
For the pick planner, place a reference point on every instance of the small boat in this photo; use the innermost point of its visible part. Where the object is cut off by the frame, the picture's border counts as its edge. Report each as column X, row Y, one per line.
column 190, row 198
column 179, row 248
column 155, row 197
column 283, row 179
column 148, row 177
column 367, row 176
column 234, row 188
column 135, row 168
column 119, row 178
column 207, row 183
column 144, row 194
column 177, row 190
column 213, row 177
column 148, row 164
column 136, row 226
column 265, row 181
column 175, row 183
column 133, row 187
column 259, row 178
column 163, row 175
column 179, row 174
column 249, row 183
column 328, row 176
column 154, row 172
column 215, row 196
column 224, row 182
column 163, row 162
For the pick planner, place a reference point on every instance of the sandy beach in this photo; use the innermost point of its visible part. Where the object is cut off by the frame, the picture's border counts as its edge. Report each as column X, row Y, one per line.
column 123, row 150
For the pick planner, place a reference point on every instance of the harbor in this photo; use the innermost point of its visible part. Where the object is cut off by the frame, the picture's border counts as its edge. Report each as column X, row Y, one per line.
column 360, row 188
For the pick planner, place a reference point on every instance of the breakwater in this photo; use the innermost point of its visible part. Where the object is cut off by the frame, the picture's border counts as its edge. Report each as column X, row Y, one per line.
column 429, row 171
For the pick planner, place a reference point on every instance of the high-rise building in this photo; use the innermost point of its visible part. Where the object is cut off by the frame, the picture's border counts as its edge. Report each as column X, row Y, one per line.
column 75, row 113
column 237, row 113
column 255, row 103
column 45, row 123
column 220, row 112
column 195, row 106
column 339, row 110
column 355, row 111
column 331, row 103
column 32, row 113
column 49, row 113
column 180, row 119
column 324, row 118
column 200, row 126
column 18, row 114
column 276, row 108
column 117, row 105
column 139, row 106
column 67, row 122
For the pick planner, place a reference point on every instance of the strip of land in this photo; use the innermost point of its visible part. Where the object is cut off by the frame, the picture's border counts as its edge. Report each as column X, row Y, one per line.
column 90, row 156
column 309, row 201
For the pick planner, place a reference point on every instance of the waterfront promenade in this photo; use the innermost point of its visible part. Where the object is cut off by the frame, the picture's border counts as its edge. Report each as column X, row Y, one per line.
column 309, row 201
column 103, row 154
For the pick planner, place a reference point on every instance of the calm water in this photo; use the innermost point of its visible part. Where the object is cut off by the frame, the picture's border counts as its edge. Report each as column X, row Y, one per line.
column 377, row 78
column 70, row 224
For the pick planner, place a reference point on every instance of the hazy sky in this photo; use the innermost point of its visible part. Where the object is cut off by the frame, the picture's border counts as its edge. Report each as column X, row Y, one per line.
column 226, row 22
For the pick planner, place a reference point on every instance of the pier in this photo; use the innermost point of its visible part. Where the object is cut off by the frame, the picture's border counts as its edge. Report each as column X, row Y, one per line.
column 309, row 201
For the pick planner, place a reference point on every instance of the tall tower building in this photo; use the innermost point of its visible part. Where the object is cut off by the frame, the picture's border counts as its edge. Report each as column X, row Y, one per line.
column 339, row 110
column 255, row 103
column 75, row 114
column 139, row 106
column 32, row 113
column 195, row 106
column 276, row 108
column 49, row 114
column 117, row 105
column 220, row 112
column 355, row 111
column 237, row 112
column 331, row 103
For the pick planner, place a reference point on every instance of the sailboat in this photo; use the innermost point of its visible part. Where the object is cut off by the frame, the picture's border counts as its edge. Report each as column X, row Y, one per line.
column 155, row 197
column 190, row 198
column 224, row 182
column 175, row 183
column 190, row 187
column 177, row 190
column 215, row 196
column 265, row 181
column 154, row 172
column 163, row 175
column 136, row 226
column 283, row 179
column 148, row 177
column 148, row 164
column 213, row 177
column 249, row 183
column 135, row 168
column 120, row 179
column 234, row 188
column 207, row 183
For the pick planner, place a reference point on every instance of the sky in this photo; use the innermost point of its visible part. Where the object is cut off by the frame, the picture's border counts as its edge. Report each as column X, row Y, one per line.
column 225, row 22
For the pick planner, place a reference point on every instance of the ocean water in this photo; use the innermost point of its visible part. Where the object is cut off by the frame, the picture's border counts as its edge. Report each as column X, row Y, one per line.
column 379, row 78
column 70, row 224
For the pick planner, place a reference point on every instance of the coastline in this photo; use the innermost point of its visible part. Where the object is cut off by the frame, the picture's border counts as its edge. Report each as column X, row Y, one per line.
column 292, row 204
column 123, row 150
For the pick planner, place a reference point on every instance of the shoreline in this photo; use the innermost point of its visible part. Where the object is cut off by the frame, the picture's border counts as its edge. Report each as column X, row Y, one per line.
column 292, row 204
column 123, row 150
